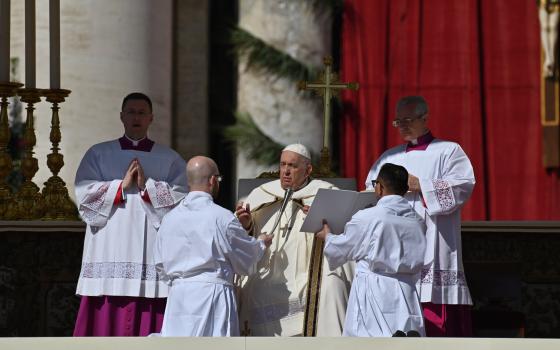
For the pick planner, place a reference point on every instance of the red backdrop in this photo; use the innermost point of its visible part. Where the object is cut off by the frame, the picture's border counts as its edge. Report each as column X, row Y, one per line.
column 477, row 63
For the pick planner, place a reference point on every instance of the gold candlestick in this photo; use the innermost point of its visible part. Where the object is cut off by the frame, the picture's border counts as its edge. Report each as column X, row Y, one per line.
column 7, row 212
column 58, row 205
column 30, row 203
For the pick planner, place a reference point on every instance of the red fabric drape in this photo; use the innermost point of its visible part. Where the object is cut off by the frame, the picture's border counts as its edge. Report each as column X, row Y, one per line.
column 477, row 64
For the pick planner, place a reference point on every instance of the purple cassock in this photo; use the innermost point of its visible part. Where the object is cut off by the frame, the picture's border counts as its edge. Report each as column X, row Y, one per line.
column 122, row 294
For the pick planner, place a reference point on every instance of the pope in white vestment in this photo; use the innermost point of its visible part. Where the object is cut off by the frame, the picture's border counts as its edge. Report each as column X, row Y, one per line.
column 273, row 299
column 388, row 244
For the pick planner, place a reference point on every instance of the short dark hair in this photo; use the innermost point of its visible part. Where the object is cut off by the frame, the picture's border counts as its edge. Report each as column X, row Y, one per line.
column 394, row 177
column 136, row 96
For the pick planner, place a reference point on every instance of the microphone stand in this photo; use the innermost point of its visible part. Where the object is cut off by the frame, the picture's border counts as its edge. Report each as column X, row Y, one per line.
column 287, row 196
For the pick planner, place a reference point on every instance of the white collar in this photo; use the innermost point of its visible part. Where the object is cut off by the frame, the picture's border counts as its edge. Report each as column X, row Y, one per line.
column 134, row 142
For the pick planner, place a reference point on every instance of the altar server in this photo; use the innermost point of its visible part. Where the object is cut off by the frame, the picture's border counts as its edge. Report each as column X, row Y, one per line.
column 388, row 244
column 200, row 247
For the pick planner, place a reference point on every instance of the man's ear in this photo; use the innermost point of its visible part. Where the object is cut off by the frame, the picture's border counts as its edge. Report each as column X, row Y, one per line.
column 309, row 169
column 381, row 189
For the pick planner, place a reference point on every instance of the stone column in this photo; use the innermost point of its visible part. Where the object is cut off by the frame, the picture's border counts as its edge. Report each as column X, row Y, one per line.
column 108, row 49
column 279, row 110
column 190, row 77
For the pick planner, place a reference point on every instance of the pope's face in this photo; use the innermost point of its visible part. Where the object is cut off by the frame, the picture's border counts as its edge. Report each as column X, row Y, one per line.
column 136, row 117
column 294, row 170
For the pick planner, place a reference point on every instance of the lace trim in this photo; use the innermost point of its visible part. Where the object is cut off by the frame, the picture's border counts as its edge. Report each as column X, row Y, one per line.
column 444, row 194
column 443, row 277
column 126, row 270
column 93, row 203
column 163, row 196
column 276, row 312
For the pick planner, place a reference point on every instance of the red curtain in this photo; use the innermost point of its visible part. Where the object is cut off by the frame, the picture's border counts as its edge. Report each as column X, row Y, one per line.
column 477, row 63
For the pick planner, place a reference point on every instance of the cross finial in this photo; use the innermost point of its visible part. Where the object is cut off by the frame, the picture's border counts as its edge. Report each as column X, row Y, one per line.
column 327, row 86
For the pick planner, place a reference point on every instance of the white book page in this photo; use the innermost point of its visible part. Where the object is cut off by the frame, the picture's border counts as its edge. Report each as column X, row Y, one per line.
column 337, row 207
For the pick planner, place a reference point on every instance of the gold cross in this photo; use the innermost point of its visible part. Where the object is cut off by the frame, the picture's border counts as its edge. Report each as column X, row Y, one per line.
column 327, row 87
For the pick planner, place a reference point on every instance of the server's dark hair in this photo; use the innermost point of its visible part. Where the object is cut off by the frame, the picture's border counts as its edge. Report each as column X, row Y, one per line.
column 394, row 177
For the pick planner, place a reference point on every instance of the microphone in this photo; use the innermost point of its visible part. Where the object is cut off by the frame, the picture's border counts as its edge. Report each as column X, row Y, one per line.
column 287, row 196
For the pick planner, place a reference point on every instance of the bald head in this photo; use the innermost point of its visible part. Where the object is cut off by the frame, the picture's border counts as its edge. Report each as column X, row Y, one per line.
column 199, row 171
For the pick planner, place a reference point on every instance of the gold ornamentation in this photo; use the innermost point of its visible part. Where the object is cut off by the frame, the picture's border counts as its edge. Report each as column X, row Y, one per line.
column 313, row 289
column 550, row 5
column 29, row 201
column 7, row 209
column 327, row 87
column 58, row 205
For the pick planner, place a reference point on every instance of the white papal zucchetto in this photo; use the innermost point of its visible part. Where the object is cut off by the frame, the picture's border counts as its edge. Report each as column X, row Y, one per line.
column 299, row 149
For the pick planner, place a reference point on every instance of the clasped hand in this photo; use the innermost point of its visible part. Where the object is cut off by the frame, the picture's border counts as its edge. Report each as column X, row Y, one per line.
column 134, row 176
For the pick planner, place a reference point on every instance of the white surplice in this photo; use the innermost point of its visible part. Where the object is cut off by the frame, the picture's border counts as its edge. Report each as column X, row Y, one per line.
column 388, row 244
column 199, row 248
column 273, row 299
column 446, row 179
column 118, row 247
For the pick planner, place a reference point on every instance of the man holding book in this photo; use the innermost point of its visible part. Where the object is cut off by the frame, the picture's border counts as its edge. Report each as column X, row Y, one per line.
column 388, row 244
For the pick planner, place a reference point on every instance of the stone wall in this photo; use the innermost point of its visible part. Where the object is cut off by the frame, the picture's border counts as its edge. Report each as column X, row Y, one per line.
column 278, row 109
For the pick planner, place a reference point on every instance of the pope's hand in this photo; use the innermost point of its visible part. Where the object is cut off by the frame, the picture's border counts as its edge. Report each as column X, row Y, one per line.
column 306, row 209
column 243, row 214
column 267, row 239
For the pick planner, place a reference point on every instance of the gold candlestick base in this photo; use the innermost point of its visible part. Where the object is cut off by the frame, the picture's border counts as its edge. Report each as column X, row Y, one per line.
column 29, row 201
column 58, row 205
column 7, row 207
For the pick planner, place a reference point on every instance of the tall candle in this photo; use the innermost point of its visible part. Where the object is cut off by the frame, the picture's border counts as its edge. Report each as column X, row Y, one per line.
column 54, row 40
column 30, row 77
column 4, row 41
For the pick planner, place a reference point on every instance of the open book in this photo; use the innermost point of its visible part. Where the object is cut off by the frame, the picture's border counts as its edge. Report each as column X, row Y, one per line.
column 337, row 207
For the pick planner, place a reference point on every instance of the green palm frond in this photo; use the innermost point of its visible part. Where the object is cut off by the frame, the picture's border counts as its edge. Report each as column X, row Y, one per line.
column 255, row 144
column 261, row 56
